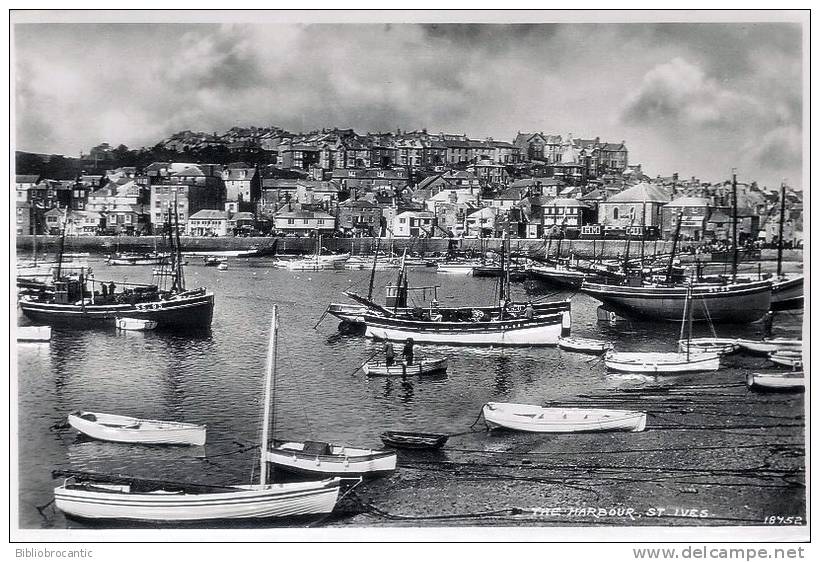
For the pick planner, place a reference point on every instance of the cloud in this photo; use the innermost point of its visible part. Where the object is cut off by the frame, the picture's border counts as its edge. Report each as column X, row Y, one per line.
column 779, row 149
column 679, row 93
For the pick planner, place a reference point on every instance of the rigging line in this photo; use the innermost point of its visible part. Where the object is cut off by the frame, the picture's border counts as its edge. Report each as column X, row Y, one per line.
column 302, row 408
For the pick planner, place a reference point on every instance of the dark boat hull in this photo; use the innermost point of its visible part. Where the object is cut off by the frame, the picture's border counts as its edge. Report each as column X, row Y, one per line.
column 787, row 294
column 741, row 303
column 190, row 312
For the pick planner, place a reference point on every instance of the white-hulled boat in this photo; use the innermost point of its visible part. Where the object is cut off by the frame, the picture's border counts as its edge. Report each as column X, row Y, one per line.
column 661, row 362
column 721, row 346
column 33, row 333
column 793, row 359
column 419, row 367
column 774, row 382
column 526, row 417
column 125, row 429
column 770, row 346
column 222, row 266
column 316, row 263
column 138, row 324
column 154, row 258
column 584, row 345
column 316, row 457
column 104, row 497
column 457, row 267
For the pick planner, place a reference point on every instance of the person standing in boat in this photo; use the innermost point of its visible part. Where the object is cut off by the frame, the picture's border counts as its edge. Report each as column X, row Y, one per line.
column 407, row 352
column 389, row 353
column 529, row 312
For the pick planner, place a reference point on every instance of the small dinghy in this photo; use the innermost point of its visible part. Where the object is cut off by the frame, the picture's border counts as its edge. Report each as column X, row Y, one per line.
column 721, row 346
column 770, row 346
column 135, row 324
column 584, row 345
column 124, row 429
column 316, row 457
column 793, row 359
column 33, row 333
column 413, row 440
column 777, row 382
column 401, row 369
column 538, row 419
column 222, row 266
column 661, row 362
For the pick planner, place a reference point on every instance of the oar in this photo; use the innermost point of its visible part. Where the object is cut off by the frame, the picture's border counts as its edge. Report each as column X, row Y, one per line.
column 365, row 361
column 320, row 319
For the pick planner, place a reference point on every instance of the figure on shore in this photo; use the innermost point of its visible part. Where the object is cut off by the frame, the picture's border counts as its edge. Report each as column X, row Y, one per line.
column 389, row 353
column 407, row 352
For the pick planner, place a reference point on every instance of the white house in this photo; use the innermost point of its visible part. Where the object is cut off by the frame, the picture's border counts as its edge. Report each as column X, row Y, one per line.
column 482, row 222
column 208, row 222
column 414, row 223
column 303, row 223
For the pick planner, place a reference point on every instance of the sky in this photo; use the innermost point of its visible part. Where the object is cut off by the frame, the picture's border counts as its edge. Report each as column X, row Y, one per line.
column 694, row 98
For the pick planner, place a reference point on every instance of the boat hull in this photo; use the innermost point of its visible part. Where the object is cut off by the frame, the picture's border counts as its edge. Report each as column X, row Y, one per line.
column 540, row 331
column 192, row 311
column 421, row 367
column 535, row 419
column 582, row 345
column 741, row 303
column 558, row 277
column 787, row 293
column 343, row 461
column 411, row 440
column 248, row 502
column 658, row 363
column 122, row 429
column 776, row 382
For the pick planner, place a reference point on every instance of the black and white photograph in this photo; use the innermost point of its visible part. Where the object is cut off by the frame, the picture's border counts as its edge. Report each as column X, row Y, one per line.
column 409, row 275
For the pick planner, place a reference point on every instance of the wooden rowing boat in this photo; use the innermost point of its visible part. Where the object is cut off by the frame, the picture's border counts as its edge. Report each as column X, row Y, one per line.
column 777, row 382
column 413, row 440
column 793, row 359
column 125, row 429
column 33, row 333
column 138, row 324
column 661, row 362
column 539, row 419
column 771, row 345
column 317, row 457
column 401, row 369
column 584, row 345
column 721, row 346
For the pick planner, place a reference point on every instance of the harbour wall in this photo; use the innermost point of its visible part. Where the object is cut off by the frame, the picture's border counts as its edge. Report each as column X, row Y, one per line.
column 358, row 246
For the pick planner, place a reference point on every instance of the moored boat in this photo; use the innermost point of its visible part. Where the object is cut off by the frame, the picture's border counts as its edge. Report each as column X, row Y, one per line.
column 777, row 382
column 793, row 359
column 154, row 258
column 766, row 346
column 721, row 346
column 419, row 367
column 413, row 440
column 317, row 457
column 125, row 429
column 527, row 417
column 661, row 362
column 33, row 333
column 457, row 267
column 138, row 324
column 584, row 345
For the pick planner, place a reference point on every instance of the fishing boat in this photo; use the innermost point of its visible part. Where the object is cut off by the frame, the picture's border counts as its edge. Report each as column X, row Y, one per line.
column 767, row 346
column 419, row 367
column 33, row 333
column 318, row 457
column 561, row 276
column 538, row 419
column 77, row 302
column 460, row 267
column 125, row 429
column 777, row 382
column 787, row 290
column 154, row 258
column 413, row 440
column 138, row 324
column 114, row 497
column 793, row 359
column 584, row 345
column 721, row 346
column 661, row 362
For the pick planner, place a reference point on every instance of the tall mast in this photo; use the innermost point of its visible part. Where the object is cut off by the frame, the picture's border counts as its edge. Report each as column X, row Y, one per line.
column 691, row 310
column 62, row 246
column 503, row 269
column 507, row 271
column 373, row 271
column 674, row 247
column 734, row 227
column 780, row 230
column 643, row 232
column 268, row 402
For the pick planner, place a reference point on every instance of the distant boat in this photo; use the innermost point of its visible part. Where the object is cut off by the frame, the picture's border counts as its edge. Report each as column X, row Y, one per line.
column 137, row 324
column 413, row 440
column 777, row 382
column 212, row 261
column 107, row 497
column 538, row 419
column 222, row 266
column 793, row 359
column 458, row 267
column 661, row 362
column 154, row 258
column 584, row 345
column 33, row 333
column 419, row 367
column 124, row 429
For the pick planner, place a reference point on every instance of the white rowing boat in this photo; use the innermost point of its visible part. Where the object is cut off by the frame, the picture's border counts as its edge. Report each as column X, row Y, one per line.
column 661, row 362
column 125, row 429
column 774, row 382
column 721, row 346
column 33, row 333
column 584, row 345
column 793, row 359
column 138, row 324
column 316, row 457
column 419, row 367
column 526, row 417
column 770, row 346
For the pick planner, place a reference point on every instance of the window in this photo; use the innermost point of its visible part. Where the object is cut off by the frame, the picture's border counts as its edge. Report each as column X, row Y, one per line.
column 304, row 221
column 290, row 221
column 402, row 220
column 615, row 213
column 320, row 221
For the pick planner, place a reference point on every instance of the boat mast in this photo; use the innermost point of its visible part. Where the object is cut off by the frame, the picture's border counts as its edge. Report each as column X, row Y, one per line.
column 179, row 276
column 266, row 415
column 62, row 246
column 643, row 231
column 691, row 309
column 674, row 247
column 734, row 226
column 373, row 271
column 780, row 230
column 628, row 243
column 401, row 282
column 503, row 269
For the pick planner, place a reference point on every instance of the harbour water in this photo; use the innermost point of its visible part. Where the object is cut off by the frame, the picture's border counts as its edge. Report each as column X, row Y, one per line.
column 714, row 453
